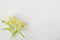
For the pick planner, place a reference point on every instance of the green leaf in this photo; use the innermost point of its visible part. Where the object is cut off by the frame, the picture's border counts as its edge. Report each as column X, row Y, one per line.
column 7, row 29
column 21, row 34
column 3, row 21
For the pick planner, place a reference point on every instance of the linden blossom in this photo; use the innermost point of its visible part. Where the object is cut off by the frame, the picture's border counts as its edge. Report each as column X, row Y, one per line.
column 14, row 25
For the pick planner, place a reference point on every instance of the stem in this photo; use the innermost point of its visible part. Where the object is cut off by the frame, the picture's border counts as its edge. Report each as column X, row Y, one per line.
column 12, row 38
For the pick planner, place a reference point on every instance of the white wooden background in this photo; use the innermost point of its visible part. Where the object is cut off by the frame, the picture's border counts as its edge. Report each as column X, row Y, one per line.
column 42, row 16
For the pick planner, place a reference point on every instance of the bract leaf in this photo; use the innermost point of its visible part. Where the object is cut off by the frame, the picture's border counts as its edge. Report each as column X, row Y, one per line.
column 21, row 34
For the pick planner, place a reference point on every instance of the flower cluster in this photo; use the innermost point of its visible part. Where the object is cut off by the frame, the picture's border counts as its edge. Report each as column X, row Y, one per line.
column 14, row 25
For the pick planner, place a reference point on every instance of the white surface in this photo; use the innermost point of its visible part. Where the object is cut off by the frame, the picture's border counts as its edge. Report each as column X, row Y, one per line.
column 43, row 17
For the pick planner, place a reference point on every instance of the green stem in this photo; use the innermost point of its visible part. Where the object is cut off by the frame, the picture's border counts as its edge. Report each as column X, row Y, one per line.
column 12, row 38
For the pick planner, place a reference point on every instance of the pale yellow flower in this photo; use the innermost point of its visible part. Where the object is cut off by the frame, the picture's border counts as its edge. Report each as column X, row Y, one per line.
column 20, row 24
column 12, row 20
column 14, row 25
